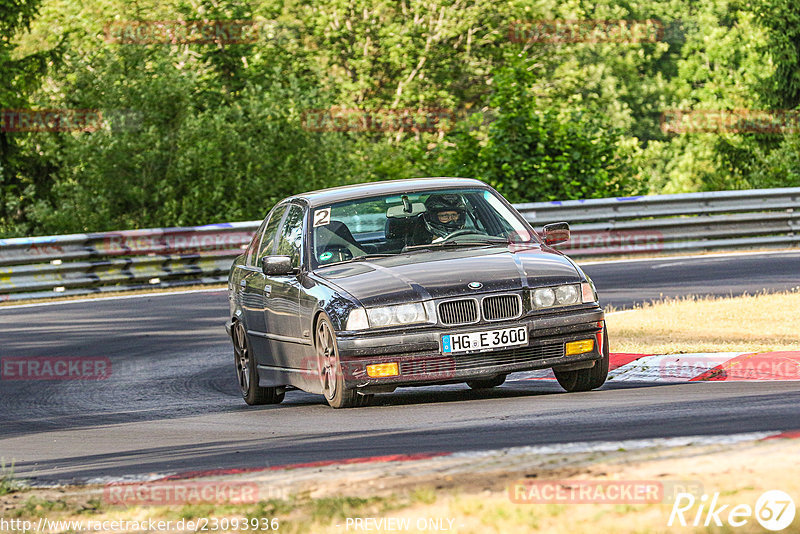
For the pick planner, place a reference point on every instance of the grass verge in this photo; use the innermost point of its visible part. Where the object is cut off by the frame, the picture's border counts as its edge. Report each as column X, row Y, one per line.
column 752, row 323
column 7, row 482
column 739, row 474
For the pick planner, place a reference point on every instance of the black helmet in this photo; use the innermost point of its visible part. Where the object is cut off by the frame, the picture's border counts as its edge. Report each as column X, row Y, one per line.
column 439, row 202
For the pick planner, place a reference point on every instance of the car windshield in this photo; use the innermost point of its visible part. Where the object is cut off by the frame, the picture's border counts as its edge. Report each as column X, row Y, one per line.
column 395, row 224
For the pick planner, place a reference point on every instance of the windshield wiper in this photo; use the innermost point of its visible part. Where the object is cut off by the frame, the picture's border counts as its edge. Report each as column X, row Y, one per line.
column 371, row 256
column 455, row 244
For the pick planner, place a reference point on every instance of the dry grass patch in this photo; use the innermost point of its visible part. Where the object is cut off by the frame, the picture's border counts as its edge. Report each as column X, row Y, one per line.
column 752, row 323
column 739, row 473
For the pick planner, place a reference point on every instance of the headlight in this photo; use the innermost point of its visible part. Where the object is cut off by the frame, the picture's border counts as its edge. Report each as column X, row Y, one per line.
column 397, row 315
column 543, row 297
column 357, row 320
column 409, row 313
column 565, row 295
column 379, row 316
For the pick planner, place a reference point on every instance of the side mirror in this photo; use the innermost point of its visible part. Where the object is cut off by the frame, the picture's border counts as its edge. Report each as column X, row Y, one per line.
column 556, row 233
column 276, row 265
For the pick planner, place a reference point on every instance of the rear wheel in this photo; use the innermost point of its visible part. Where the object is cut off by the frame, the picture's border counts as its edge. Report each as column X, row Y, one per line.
column 486, row 383
column 247, row 372
column 586, row 379
column 330, row 369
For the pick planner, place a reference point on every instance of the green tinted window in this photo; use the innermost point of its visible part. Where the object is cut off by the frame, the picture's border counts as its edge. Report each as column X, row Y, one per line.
column 291, row 235
column 270, row 233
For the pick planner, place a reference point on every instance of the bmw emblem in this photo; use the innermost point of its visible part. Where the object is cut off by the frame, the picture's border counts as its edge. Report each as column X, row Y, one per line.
column 475, row 285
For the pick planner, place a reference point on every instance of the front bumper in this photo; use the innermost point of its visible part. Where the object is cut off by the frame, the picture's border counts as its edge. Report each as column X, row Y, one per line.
column 420, row 361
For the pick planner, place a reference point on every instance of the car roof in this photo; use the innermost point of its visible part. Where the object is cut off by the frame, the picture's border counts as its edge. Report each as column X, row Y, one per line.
column 333, row 195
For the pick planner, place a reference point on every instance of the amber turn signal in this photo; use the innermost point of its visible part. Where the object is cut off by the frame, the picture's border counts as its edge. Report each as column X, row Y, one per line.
column 580, row 347
column 378, row 370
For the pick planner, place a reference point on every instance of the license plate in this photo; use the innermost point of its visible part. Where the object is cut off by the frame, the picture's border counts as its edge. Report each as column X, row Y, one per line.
column 490, row 339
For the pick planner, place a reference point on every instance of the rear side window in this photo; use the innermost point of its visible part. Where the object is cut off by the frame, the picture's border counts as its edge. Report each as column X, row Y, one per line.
column 270, row 233
column 291, row 236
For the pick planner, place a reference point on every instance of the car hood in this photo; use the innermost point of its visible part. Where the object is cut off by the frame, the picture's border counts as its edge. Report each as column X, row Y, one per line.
column 447, row 273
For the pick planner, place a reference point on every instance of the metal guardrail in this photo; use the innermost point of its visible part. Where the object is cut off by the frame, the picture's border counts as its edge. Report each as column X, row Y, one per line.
column 40, row 267
column 674, row 223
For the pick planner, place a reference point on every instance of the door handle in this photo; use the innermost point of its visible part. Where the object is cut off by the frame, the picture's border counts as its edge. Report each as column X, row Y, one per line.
column 267, row 290
column 242, row 283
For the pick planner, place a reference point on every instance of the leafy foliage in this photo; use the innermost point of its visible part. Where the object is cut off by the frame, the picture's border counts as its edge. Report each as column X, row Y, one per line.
column 199, row 133
column 782, row 19
column 534, row 151
column 21, row 176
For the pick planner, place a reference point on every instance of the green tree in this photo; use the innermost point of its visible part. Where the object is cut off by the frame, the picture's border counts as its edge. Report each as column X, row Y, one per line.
column 202, row 133
column 532, row 151
column 23, row 175
column 722, row 66
column 781, row 18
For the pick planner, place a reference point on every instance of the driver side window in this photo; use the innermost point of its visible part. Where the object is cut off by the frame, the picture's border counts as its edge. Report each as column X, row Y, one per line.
column 291, row 235
column 252, row 248
column 270, row 234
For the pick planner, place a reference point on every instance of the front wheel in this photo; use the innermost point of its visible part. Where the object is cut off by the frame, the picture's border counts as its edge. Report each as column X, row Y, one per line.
column 586, row 379
column 330, row 369
column 247, row 372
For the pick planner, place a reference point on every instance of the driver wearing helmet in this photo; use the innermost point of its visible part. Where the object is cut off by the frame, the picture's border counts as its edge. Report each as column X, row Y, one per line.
column 445, row 213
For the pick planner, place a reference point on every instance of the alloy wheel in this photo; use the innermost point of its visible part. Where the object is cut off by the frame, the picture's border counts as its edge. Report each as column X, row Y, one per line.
column 242, row 357
column 327, row 359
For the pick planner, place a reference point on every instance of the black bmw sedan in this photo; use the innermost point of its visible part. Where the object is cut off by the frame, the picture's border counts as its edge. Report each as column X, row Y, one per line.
column 357, row 290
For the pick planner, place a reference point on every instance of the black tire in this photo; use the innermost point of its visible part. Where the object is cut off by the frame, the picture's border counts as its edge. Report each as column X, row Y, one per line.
column 486, row 383
column 247, row 372
column 330, row 369
column 586, row 379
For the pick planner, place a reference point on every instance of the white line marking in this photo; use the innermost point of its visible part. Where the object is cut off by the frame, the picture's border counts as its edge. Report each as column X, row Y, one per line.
column 129, row 479
column 117, row 297
column 688, row 257
column 627, row 445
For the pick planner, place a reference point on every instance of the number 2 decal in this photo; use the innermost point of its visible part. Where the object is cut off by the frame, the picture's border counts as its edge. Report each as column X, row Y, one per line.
column 322, row 217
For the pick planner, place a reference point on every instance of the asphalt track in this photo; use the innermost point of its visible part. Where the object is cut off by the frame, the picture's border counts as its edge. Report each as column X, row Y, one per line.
column 171, row 404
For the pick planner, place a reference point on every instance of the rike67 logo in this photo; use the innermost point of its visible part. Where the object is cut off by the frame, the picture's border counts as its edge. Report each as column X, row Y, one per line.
column 774, row 510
